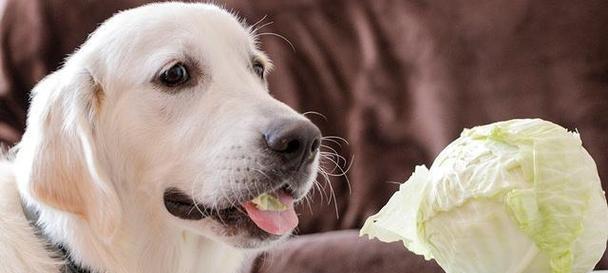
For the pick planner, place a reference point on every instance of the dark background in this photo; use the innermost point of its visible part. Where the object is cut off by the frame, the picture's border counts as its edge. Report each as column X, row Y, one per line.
column 399, row 79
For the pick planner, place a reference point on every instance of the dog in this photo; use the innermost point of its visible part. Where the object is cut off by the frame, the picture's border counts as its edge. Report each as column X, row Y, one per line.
column 142, row 153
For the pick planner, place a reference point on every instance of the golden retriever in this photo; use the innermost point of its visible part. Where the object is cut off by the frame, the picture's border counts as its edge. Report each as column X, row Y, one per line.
column 143, row 152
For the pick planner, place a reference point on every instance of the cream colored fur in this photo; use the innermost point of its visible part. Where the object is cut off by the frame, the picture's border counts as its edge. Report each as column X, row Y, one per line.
column 20, row 249
column 103, row 141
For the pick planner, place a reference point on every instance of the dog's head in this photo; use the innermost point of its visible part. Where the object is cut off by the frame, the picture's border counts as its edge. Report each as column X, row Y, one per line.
column 163, row 117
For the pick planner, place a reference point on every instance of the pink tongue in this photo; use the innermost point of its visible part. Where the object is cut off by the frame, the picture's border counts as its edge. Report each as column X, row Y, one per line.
column 274, row 222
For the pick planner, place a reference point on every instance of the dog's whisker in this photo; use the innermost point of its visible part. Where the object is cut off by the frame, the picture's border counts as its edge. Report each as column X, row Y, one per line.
column 342, row 170
column 323, row 140
column 332, row 153
column 325, row 177
column 225, row 195
column 223, row 190
column 217, row 209
column 329, row 160
column 279, row 36
column 235, row 190
column 325, row 156
column 322, row 186
column 194, row 201
column 234, row 185
column 261, row 172
column 249, row 188
column 317, row 187
column 332, row 192
column 253, row 26
column 233, row 182
column 258, row 191
column 255, row 30
column 257, row 187
column 328, row 147
column 195, row 207
column 335, row 138
column 335, row 159
column 307, row 201
column 346, row 169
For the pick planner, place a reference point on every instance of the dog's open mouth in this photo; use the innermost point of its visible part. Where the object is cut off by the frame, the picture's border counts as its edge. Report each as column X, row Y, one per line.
column 277, row 218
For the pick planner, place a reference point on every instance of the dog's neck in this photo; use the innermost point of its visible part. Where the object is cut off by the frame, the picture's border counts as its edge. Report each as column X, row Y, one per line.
column 152, row 249
column 59, row 250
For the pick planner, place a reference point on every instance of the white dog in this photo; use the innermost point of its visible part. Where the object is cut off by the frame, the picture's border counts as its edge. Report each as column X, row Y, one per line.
column 143, row 152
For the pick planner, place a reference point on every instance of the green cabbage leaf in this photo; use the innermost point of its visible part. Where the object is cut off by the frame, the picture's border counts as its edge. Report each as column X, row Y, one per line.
column 520, row 196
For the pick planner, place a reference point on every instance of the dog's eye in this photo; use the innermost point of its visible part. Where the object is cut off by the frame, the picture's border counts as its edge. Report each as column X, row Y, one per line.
column 174, row 76
column 259, row 69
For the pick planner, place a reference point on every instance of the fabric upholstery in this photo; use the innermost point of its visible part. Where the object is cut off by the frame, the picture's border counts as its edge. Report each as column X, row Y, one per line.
column 399, row 79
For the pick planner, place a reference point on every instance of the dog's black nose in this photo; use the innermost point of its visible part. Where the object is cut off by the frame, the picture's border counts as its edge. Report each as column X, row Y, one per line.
column 296, row 141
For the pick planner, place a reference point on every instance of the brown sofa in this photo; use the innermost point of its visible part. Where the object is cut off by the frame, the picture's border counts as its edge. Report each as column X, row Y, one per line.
column 399, row 79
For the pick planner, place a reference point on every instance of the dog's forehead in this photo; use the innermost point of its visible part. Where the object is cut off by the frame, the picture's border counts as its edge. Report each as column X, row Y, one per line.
column 190, row 18
column 157, row 25
column 150, row 35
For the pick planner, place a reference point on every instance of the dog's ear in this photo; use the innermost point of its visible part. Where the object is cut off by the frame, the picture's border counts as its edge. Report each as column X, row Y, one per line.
column 58, row 155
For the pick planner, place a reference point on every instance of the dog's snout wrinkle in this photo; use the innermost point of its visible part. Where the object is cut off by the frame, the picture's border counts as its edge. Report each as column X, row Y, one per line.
column 295, row 141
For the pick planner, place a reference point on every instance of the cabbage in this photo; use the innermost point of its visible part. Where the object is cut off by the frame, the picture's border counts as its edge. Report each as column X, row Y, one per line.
column 519, row 196
column 268, row 202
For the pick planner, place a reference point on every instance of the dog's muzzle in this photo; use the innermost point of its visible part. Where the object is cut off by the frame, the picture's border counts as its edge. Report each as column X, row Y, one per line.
column 289, row 148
